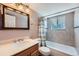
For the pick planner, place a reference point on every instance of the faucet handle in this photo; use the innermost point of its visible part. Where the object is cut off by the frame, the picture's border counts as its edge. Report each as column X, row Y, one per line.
column 20, row 40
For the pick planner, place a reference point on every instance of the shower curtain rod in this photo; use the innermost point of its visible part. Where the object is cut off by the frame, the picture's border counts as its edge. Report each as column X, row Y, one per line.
column 61, row 12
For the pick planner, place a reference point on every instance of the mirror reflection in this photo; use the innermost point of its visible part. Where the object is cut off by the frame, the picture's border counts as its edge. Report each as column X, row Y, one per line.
column 14, row 19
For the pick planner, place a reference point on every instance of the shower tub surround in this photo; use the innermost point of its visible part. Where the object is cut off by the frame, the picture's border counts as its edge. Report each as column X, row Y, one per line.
column 58, row 49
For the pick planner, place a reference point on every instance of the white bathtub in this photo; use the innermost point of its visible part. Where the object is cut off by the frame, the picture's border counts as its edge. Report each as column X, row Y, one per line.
column 61, row 50
column 58, row 49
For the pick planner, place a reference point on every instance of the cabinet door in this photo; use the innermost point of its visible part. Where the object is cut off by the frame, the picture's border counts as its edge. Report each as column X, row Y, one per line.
column 35, row 53
column 34, row 48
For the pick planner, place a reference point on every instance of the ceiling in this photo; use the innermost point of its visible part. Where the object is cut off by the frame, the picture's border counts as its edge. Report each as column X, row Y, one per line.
column 44, row 9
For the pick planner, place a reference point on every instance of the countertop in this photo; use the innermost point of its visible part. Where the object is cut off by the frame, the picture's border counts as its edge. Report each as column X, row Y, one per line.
column 12, row 48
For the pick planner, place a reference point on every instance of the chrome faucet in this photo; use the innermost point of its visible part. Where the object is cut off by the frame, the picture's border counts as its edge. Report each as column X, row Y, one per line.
column 19, row 40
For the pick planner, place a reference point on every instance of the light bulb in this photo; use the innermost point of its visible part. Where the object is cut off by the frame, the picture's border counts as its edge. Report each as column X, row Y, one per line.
column 20, row 7
column 27, row 10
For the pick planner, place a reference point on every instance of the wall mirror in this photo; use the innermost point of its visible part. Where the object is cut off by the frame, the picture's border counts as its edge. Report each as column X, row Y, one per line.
column 14, row 19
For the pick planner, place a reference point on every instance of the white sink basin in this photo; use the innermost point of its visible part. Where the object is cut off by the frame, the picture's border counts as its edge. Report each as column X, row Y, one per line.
column 18, row 45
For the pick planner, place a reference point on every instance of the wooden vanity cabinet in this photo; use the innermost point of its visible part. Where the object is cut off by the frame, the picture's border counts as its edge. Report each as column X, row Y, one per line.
column 35, row 53
column 32, row 51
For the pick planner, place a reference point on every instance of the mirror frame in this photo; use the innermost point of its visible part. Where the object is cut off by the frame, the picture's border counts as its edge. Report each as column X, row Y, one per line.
column 3, row 25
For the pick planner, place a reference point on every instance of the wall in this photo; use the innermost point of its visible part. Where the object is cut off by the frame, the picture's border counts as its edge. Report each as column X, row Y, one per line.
column 76, row 30
column 33, row 32
column 65, row 36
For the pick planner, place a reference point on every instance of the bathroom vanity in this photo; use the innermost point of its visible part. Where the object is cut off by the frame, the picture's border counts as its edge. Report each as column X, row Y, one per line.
column 28, row 47
column 31, row 51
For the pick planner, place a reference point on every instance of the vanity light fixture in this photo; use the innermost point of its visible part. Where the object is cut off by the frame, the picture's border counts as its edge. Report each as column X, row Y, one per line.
column 22, row 7
column 19, row 6
column 27, row 10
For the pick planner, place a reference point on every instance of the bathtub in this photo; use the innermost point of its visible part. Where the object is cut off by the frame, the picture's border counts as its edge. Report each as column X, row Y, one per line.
column 58, row 49
column 61, row 50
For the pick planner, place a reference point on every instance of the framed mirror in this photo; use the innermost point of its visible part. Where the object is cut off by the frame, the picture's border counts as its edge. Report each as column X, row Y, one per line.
column 15, row 19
